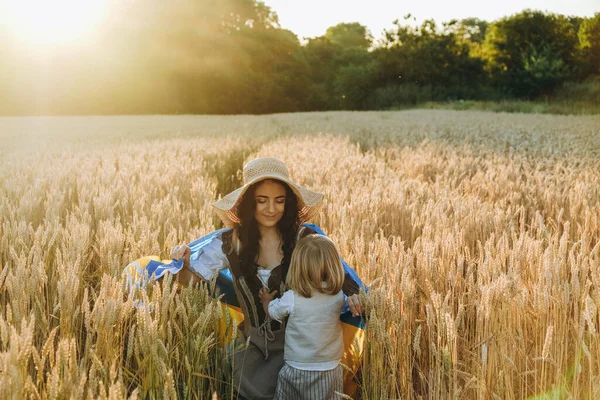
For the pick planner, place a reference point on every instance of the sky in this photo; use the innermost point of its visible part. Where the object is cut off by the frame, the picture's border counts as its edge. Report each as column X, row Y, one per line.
column 309, row 18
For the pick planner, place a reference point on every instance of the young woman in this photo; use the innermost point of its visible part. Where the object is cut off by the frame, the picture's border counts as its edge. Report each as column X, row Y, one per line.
column 265, row 217
column 314, row 341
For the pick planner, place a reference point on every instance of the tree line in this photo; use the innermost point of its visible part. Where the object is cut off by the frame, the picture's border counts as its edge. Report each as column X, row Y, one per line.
column 233, row 57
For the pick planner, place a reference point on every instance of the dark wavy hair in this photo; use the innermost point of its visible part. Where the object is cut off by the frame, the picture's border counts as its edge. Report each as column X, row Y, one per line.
column 249, row 234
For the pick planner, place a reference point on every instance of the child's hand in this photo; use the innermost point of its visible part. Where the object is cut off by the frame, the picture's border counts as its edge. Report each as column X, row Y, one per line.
column 265, row 296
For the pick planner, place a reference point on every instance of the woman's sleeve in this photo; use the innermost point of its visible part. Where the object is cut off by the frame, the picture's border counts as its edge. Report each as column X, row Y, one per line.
column 209, row 259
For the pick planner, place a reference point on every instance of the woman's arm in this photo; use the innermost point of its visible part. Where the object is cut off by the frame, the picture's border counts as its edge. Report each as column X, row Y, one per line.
column 203, row 265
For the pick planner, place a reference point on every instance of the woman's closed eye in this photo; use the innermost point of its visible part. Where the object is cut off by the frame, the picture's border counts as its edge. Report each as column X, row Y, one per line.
column 262, row 200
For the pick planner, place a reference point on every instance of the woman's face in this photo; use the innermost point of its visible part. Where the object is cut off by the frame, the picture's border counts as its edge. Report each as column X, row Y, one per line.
column 270, row 203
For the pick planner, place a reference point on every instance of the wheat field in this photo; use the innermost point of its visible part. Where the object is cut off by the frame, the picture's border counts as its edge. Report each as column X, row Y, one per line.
column 479, row 234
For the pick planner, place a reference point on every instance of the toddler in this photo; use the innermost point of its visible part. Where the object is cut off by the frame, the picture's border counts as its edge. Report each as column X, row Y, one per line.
column 314, row 341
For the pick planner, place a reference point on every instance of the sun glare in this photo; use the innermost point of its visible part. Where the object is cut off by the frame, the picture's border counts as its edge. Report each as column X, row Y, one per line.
column 49, row 23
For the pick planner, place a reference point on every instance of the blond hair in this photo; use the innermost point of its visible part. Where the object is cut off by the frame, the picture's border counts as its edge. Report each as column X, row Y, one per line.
column 315, row 265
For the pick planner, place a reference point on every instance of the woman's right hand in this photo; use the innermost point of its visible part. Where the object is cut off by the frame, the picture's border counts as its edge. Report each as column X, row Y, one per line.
column 181, row 251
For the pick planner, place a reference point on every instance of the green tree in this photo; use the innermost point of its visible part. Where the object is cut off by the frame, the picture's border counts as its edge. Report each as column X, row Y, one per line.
column 542, row 70
column 320, row 54
column 349, row 35
column 339, row 67
column 354, row 86
column 472, row 29
column 276, row 74
column 518, row 47
column 589, row 45
column 426, row 62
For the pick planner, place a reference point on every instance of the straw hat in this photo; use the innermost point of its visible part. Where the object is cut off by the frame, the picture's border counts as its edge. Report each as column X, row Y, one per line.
column 309, row 202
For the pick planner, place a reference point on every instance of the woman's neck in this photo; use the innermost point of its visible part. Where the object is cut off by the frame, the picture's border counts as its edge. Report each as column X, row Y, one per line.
column 270, row 253
column 268, row 234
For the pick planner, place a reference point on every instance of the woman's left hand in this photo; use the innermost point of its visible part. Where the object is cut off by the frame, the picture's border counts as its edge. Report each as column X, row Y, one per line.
column 355, row 307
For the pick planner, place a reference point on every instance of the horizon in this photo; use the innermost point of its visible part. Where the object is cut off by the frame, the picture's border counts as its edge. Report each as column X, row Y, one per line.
column 42, row 27
column 379, row 15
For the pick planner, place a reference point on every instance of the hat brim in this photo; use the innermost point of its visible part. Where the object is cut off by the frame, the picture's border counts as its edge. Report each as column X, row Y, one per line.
column 309, row 202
